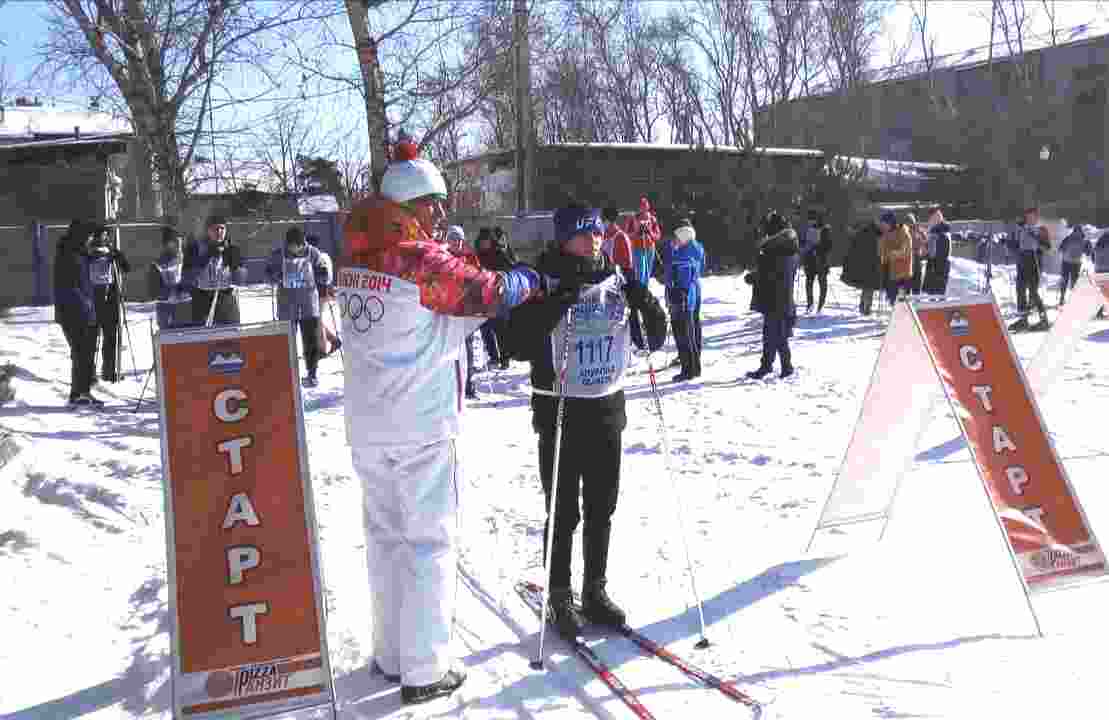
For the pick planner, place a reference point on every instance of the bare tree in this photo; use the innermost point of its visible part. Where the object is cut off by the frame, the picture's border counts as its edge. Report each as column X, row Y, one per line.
column 280, row 144
column 853, row 29
column 158, row 62
column 1052, row 25
column 680, row 85
column 405, row 63
column 718, row 28
column 926, row 37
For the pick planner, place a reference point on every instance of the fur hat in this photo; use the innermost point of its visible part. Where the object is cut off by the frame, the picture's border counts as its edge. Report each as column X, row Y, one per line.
column 294, row 236
column 410, row 177
column 685, row 231
column 216, row 219
column 888, row 217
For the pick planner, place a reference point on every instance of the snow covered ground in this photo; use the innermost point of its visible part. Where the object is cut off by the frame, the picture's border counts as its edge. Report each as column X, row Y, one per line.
column 930, row 622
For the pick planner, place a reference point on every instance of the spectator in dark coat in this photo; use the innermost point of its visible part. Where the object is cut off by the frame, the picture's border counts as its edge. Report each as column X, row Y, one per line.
column 1071, row 251
column 772, row 293
column 938, row 266
column 75, row 310
column 862, row 268
column 815, row 247
column 494, row 253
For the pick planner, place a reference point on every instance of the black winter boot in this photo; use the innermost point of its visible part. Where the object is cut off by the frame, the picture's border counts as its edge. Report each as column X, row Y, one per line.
column 760, row 373
column 412, row 694
column 563, row 616
column 598, row 607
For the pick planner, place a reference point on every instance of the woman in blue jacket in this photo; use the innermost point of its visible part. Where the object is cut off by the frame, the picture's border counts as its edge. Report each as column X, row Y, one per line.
column 683, row 261
column 75, row 310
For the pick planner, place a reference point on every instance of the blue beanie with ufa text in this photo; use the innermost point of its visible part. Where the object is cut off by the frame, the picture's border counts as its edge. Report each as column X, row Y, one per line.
column 574, row 219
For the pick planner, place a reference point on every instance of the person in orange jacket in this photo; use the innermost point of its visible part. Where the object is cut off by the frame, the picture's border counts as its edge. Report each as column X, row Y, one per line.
column 617, row 245
column 645, row 232
column 895, row 249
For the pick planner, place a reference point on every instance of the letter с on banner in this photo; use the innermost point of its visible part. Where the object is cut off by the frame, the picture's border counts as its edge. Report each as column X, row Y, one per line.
column 1042, row 517
column 245, row 594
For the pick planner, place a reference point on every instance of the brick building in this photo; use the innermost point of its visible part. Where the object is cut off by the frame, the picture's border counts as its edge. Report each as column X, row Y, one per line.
column 1031, row 128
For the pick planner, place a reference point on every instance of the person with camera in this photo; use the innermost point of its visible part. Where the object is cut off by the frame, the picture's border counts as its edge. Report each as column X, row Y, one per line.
column 75, row 311
column 298, row 270
column 584, row 335
column 771, row 283
column 213, row 267
column 107, row 265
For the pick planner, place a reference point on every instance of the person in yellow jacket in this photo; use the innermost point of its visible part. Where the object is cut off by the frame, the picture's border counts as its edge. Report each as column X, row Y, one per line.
column 895, row 250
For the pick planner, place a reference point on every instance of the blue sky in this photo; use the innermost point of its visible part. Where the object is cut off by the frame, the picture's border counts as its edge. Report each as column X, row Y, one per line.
column 959, row 25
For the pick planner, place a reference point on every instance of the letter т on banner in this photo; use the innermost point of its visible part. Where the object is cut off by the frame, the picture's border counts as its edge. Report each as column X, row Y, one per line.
column 245, row 595
column 1043, row 521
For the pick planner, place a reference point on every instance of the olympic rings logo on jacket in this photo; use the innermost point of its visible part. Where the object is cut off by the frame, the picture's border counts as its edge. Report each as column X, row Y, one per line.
column 362, row 311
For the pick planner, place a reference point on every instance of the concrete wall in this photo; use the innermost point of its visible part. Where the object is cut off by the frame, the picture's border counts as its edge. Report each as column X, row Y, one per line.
column 27, row 280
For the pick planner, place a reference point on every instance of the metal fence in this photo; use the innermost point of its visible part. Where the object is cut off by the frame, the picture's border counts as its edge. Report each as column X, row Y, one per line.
column 27, row 252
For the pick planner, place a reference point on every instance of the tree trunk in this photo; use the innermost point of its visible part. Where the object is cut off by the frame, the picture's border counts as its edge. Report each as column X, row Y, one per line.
column 373, row 81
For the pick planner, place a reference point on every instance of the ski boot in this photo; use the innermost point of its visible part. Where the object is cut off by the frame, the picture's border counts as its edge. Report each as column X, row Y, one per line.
column 760, row 373
column 1020, row 325
column 563, row 616
column 413, row 694
column 598, row 608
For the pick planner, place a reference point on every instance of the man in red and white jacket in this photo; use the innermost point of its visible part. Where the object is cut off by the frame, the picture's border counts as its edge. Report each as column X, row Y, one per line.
column 645, row 232
column 407, row 305
column 617, row 245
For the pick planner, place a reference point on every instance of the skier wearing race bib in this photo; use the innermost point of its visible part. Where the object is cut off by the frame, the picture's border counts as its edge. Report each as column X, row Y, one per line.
column 584, row 334
column 106, row 268
column 213, row 267
column 172, row 302
column 298, row 270
column 407, row 304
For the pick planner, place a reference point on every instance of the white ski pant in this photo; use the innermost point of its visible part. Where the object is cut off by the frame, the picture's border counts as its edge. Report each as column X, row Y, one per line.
column 410, row 508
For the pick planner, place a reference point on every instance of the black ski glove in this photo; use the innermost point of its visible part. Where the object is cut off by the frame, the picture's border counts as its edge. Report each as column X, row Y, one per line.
column 637, row 294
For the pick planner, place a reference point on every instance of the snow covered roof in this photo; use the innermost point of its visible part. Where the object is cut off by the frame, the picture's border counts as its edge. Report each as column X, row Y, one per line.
column 29, row 124
column 789, row 152
column 229, row 177
column 1090, row 31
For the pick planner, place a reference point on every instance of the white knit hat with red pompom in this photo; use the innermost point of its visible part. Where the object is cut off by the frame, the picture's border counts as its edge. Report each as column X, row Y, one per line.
column 409, row 176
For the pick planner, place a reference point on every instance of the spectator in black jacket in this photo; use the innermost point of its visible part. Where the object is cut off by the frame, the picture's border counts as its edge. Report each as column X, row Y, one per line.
column 75, row 310
column 494, row 253
column 772, row 293
column 107, row 265
column 938, row 266
column 213, row 267
column 815, row 247
column 584, row 334
column 862, row 268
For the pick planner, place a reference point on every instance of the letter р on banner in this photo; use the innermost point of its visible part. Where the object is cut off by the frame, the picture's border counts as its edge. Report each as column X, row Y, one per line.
column 248, row 633
column 1042, row 517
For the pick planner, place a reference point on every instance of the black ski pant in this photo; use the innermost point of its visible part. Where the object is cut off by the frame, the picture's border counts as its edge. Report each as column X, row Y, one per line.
column 589, row 465
column 1070, row 272
column 866, row 301
column 470, row 365
column 489, row 339
column 310, row 339
column 685, row 320
column 936, row 273
column 81, row 337
column 893, row 287
column 1028, row 285
column 820, row 277
column 107, row 329
column 776, row 328
column 917, row 283
column 227, row 307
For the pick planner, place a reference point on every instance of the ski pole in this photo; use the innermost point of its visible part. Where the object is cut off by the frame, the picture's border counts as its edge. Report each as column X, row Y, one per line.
column 153, row 350
column 537, row 664
column 704, row 641
column 212, row 309
column 331, row 309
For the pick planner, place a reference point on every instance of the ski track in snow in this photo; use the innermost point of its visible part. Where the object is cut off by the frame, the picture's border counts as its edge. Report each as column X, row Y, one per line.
column 928, row 623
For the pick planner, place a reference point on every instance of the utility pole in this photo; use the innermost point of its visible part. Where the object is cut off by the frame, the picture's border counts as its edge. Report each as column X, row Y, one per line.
column 524, row 133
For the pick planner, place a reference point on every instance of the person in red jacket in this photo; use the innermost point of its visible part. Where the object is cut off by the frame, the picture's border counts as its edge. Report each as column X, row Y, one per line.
column 645, row 232
column 617, row 245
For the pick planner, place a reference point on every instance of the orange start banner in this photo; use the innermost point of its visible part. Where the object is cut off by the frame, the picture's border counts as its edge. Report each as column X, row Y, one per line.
column 1043, row 520
column 245, row 594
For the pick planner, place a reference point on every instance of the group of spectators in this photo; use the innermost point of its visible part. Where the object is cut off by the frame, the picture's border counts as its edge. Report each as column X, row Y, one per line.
column 899, row 258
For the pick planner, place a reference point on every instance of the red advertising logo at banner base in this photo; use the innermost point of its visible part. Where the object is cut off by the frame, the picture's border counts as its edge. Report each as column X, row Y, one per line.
column 1042, row 517
column 247, row 622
